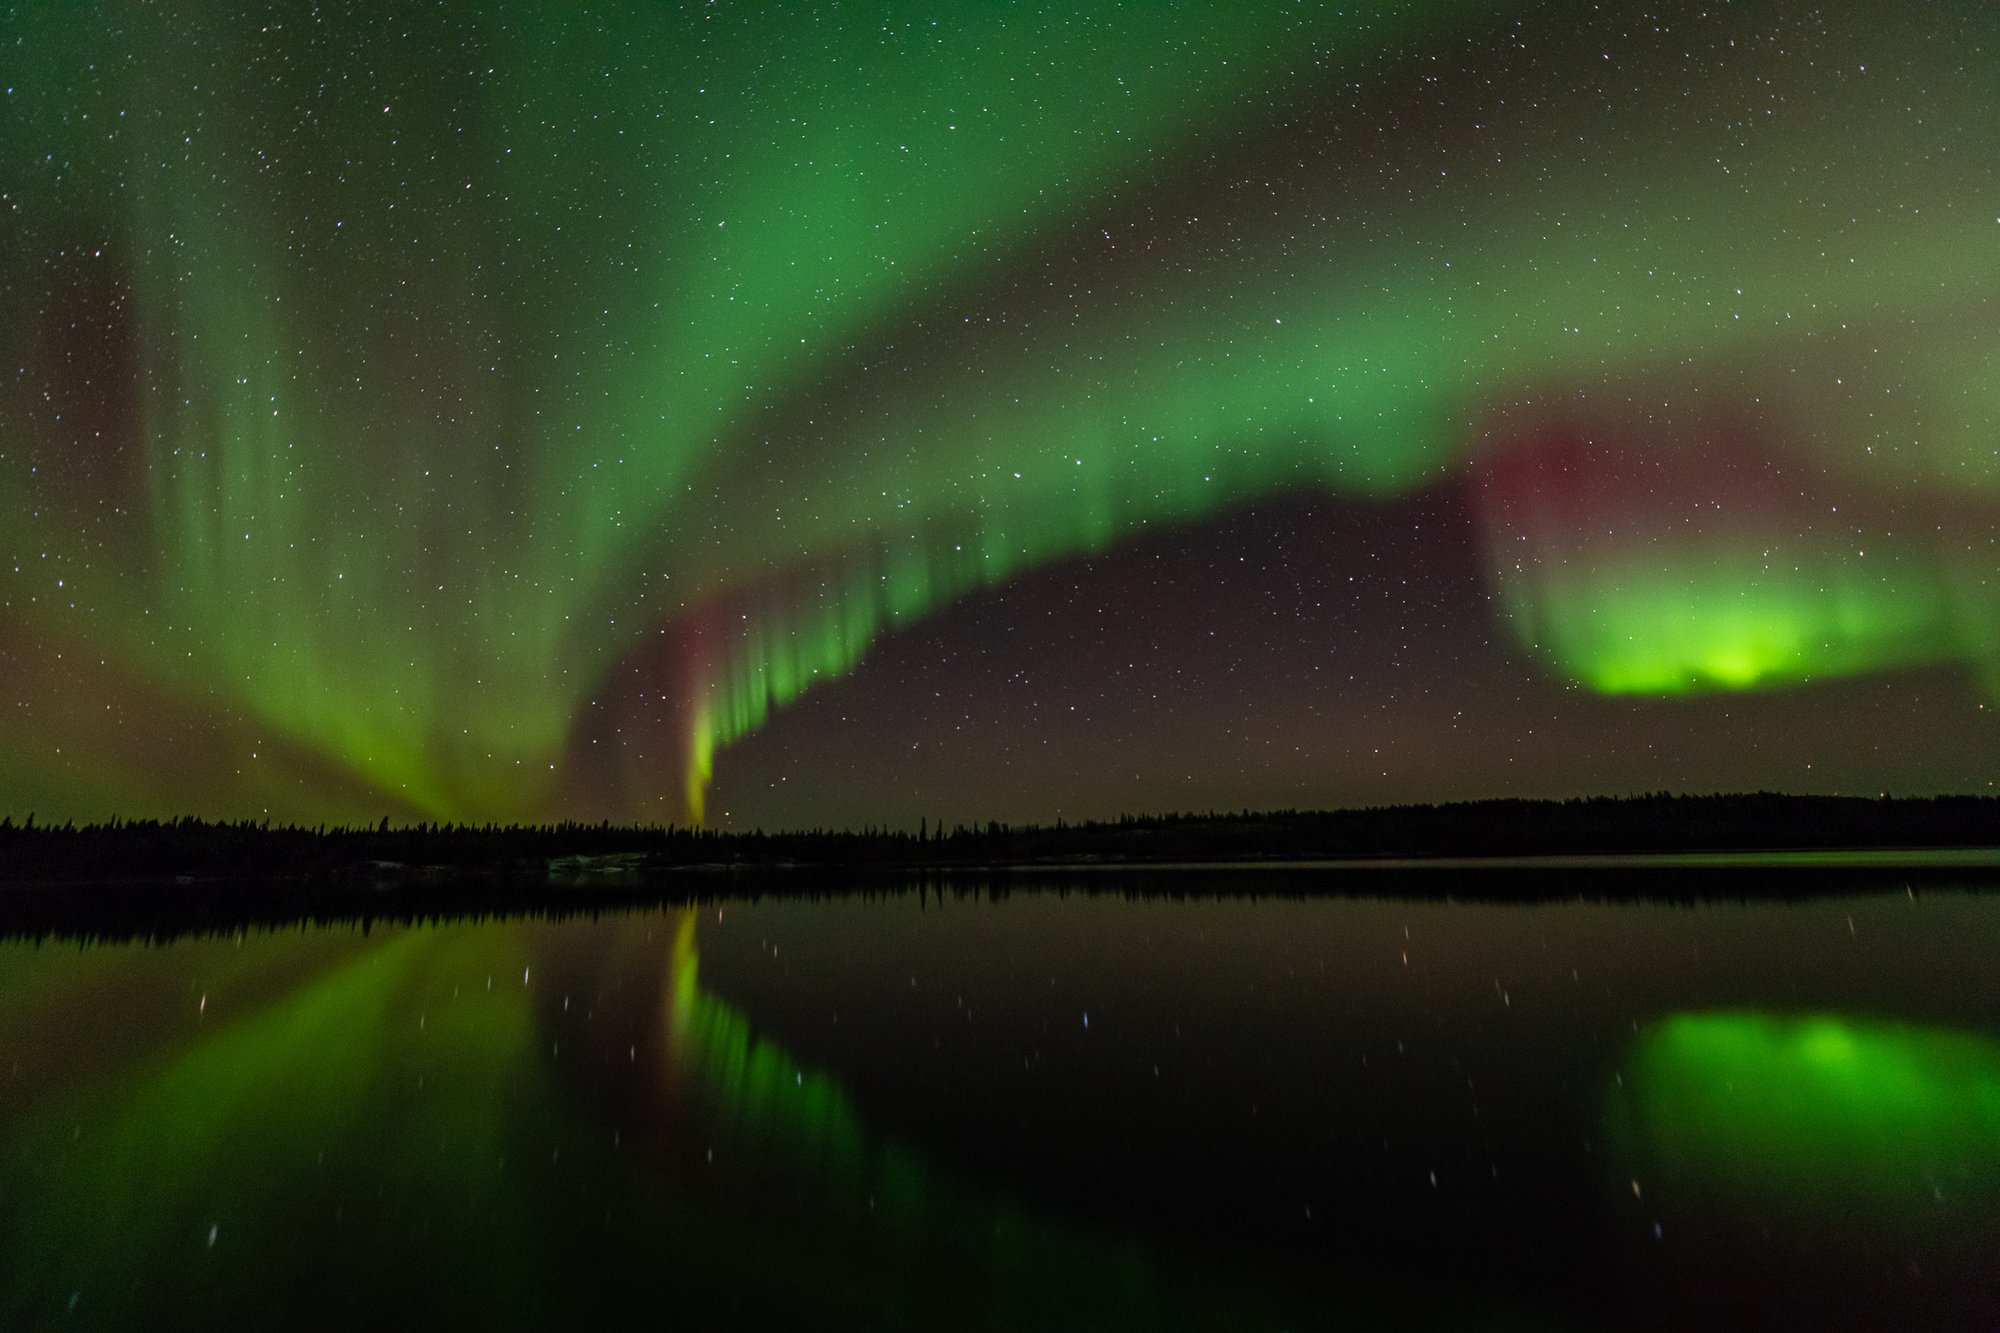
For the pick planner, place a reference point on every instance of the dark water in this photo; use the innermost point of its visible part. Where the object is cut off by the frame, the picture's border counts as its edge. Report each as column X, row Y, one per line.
column 1053, row 1110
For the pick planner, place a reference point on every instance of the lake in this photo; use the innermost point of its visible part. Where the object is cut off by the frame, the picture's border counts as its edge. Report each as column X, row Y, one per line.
column 1202, row 1106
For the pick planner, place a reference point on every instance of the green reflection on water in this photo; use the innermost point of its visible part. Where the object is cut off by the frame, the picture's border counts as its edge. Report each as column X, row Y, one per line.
column 1821, row 1120
column 764, row 1099
column 321, row 1130
column 276, row 1161
column 932, row 1241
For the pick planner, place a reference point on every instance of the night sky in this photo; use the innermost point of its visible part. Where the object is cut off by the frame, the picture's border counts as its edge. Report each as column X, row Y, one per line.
column 863, row 413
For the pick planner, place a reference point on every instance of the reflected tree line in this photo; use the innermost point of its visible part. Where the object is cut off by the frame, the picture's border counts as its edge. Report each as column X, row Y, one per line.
column 149, row 879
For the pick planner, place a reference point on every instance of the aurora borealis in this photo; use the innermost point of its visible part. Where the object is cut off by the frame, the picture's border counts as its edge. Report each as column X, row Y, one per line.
column 853, row 414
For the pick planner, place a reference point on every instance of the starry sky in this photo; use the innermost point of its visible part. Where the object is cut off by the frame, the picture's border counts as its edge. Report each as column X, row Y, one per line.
column 844, row 414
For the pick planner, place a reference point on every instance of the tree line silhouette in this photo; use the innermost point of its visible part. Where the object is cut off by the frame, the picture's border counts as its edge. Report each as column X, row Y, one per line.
column 201, row 850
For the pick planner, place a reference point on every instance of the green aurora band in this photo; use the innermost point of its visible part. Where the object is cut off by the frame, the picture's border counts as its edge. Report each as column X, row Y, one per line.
column 488, row 417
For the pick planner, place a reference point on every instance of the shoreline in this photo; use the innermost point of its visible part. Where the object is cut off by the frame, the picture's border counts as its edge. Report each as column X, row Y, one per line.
column 386, row 876
column 158, row 910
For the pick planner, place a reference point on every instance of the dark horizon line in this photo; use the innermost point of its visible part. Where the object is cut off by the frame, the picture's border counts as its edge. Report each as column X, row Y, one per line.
column 194, row 849
column 935, row 830
column 161, row 880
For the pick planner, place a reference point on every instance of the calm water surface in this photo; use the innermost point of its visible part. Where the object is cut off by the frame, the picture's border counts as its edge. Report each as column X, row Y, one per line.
column 1047, row 1110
